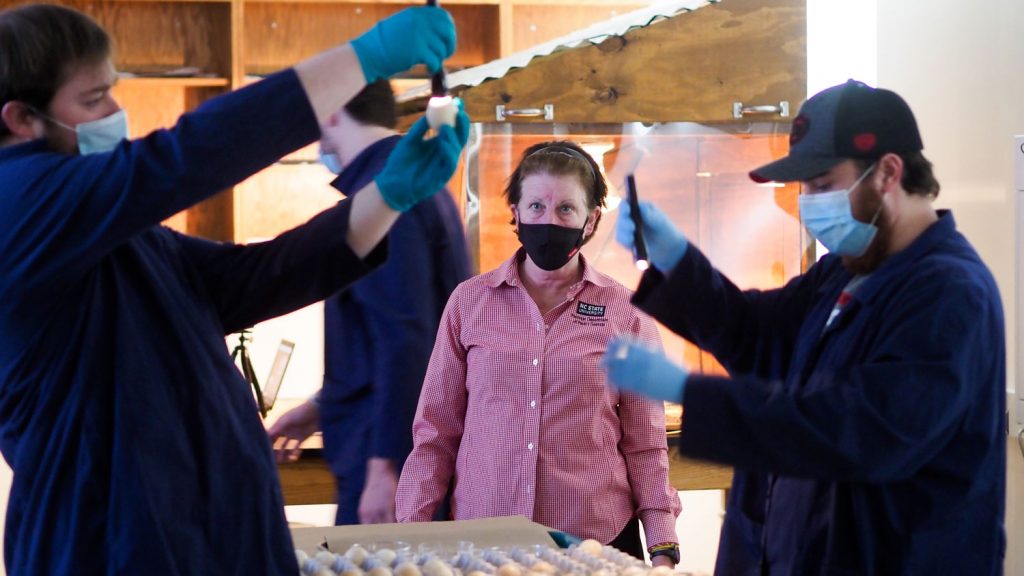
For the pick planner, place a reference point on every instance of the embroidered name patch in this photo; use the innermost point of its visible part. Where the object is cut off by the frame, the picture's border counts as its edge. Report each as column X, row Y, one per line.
column 590, row 309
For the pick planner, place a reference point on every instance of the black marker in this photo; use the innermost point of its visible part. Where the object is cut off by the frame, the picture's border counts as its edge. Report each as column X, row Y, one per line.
column 639, row 246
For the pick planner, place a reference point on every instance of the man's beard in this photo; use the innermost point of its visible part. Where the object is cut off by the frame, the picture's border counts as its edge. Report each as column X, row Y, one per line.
column 877, row 251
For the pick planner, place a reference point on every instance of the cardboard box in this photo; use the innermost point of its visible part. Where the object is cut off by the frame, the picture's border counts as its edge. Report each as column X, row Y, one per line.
column 483, row 533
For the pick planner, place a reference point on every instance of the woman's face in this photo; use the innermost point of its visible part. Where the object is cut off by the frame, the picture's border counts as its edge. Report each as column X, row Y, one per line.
column 551, row 199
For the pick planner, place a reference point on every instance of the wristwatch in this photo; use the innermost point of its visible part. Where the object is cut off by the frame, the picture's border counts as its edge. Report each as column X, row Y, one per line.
column 670, row 549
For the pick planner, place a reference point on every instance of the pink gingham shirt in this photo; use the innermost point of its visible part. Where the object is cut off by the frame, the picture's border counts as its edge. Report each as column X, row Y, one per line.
column 515, row 413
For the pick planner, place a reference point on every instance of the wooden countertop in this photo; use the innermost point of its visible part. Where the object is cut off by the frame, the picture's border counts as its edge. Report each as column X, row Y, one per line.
column 309, row 481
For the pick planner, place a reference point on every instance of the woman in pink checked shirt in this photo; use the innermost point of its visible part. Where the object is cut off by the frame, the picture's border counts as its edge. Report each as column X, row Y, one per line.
column 514, row 413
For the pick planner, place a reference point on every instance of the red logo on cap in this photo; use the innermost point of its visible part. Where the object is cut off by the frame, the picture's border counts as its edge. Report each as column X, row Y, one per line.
column 801, row 125
column 865, row 142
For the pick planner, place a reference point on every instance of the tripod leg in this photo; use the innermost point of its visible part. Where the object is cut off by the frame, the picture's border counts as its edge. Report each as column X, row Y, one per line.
column 250, row 377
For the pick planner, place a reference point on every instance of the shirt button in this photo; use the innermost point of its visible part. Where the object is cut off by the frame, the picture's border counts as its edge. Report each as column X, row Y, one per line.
column 530, row 446
column 533, row 403
column 535, row 361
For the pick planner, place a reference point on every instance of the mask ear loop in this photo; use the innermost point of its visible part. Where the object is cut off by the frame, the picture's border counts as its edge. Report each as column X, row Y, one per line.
column 858, row 182
column 48, row 118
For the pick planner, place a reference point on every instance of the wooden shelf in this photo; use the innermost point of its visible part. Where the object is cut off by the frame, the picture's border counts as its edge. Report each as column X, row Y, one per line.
column 230, row 38
column 444, row 3
column 161, row 82
column 169, row 1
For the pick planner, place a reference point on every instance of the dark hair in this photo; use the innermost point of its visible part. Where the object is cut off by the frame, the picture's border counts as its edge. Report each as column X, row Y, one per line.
column 41, row 46
column 559, row 158
column 918, row 177
column 374, row 105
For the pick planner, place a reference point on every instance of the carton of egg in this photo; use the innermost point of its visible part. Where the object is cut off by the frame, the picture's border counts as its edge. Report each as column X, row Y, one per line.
column 588, row 558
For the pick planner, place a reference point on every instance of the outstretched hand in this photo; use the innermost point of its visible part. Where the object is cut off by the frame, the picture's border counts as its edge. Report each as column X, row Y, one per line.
column 418, row 167
column 666, row 245
column 418, row 35
column 637, row 367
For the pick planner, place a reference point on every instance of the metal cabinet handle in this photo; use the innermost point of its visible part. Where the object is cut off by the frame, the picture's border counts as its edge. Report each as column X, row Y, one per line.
column 739, row 110
column 502, row 113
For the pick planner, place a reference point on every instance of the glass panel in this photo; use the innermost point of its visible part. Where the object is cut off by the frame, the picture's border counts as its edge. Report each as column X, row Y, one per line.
column 695, row 173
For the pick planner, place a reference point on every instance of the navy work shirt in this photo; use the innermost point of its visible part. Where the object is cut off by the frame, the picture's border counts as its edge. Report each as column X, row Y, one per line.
column 379, row 333
column 875, row 446
column 135, row 443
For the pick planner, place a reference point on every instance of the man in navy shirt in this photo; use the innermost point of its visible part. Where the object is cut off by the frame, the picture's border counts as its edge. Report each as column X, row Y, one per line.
column 864, row 411
column 379, row 333
column 135, row 443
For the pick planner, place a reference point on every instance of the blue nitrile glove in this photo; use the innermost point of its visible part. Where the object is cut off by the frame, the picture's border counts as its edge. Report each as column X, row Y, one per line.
column 417, row 168
column 666, row 245
column 419, row 35
column 637, row 367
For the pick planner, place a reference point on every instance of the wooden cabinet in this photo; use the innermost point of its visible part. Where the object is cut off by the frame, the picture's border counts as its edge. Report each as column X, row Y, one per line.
column 173, row 55
column 176, row 54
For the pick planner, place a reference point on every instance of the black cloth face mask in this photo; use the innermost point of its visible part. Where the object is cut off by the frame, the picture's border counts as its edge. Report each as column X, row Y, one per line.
column 550, row 246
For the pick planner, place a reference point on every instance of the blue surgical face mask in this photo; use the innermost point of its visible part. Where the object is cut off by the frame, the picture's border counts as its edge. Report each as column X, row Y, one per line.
column 331, row 161
column 101, row 135
column 828, row 216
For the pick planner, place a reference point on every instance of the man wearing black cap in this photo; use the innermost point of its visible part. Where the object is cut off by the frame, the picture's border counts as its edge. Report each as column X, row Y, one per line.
column 864, row 411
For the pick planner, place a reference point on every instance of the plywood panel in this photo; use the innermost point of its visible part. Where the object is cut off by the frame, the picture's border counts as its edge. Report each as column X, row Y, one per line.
column 688, row 68
column 534, row 24
column 157, row 36
column 278, row 35
column 154, row 36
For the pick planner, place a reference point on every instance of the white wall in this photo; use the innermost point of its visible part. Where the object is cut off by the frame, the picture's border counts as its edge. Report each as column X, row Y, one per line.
column 960, row 65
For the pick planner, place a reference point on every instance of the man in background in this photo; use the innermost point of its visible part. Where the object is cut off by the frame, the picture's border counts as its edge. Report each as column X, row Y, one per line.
column 378, row 335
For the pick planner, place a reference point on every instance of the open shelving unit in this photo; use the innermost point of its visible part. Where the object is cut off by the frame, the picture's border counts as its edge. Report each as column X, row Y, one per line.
column 231, row 42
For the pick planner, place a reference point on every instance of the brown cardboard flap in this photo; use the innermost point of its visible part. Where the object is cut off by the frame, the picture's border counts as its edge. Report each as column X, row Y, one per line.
column 483, row 533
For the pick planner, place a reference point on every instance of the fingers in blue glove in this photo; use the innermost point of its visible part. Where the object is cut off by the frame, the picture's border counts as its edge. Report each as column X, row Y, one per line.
column 461, row 123
column 625, row 228
column 636, row 367
column 418, row 35
column 666, row 245
column 418, row 166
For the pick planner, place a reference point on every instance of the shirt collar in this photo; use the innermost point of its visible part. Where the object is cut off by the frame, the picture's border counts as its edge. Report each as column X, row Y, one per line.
column 938, row 232
column 30, row 147
column 365, row 166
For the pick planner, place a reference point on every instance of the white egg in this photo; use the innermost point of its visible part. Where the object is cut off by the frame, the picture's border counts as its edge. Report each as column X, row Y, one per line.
column 407, row 569
column 509, row 569
column 441, row 110
column 324, row 557
column 386, row 555
column 436, row 567
column 544, row 567
column 591, row 546
column 356, row 554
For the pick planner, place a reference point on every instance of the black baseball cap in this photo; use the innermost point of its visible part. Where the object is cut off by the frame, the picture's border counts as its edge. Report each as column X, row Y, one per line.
column 852, row 120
